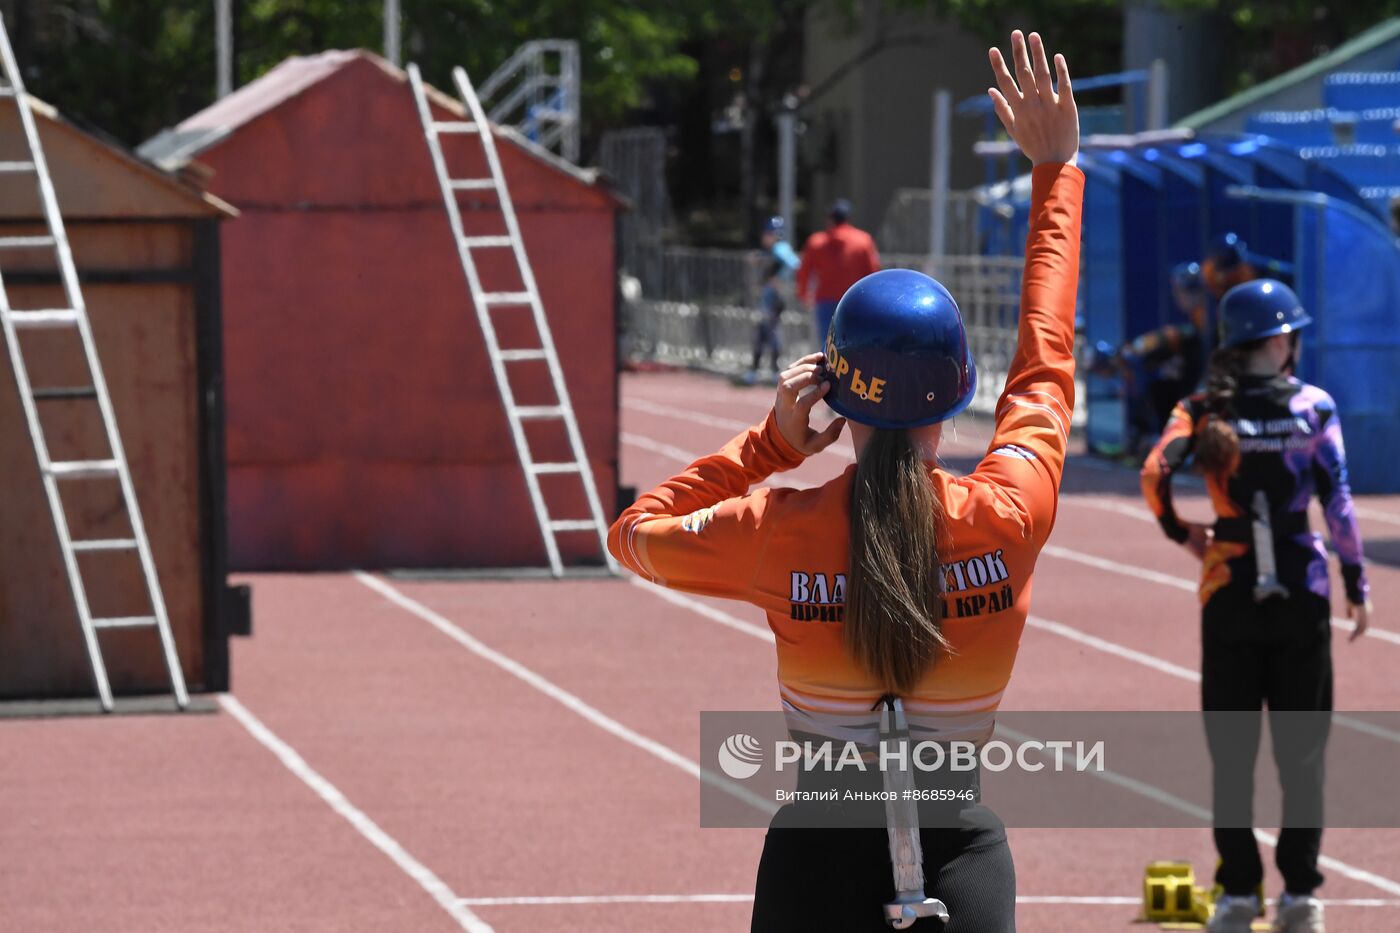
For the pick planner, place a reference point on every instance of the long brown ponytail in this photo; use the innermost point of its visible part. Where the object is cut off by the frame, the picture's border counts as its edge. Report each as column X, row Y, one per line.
column 894, row 606
column 1217, row 444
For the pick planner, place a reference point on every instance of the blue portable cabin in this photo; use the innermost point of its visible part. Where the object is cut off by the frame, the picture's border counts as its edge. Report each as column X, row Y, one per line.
column 1361, row 90
column 1276, row 165
column 1298, row 127
column 1181, row 195
column 1219, row 170
column 1378, row 125
column 1348, row 277
column 1144, row 226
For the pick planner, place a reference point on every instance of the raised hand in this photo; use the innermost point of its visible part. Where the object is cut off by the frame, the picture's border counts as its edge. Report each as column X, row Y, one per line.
column 792, row 410
column 1045, row 124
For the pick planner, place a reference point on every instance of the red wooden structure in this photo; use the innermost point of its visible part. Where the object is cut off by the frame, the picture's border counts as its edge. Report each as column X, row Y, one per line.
column 364, row 426
column 146, row 246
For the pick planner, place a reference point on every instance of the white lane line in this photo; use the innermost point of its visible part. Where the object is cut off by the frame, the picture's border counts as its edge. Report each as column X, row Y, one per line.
column 686, row 414
column 1099, row 644
column 975, row 437
column 566, row 899
column 1103, row 503
column 1375, row 515
column 704, row 609
column 1113, row 566
column 1340, row 867
column 1054, row 900
column 1115, row 649
column 1053, row 550
column 559, row 694
column 1141, row 788
column 1195, row 482
column 1108, row 647
column 1181, row 583
column 656, row 447
column 1108, row 504
column 328, row 792
column 685, row 456
column 1064, row 631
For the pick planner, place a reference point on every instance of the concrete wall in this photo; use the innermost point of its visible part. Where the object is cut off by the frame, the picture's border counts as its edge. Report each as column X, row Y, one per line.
column 878, row 119
column 1186, row 41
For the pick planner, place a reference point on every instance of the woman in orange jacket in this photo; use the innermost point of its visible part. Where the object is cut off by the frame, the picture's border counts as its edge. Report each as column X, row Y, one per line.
column 895, row 578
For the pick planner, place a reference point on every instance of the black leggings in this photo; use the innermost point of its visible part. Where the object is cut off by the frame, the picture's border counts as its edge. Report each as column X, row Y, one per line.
column 1276, row 654
column 838, row 880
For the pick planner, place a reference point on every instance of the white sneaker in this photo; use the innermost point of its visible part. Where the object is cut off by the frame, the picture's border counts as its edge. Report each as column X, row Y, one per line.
column 1299, row 915
column 1234, row 914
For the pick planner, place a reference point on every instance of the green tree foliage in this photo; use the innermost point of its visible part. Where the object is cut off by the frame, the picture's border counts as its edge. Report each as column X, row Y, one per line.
column 132, row 67
column 128, row 68
column 1263, row 38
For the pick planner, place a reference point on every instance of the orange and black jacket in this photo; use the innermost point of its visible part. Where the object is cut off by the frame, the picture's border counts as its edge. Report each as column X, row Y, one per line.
column 1290, row 449
column 708, row 530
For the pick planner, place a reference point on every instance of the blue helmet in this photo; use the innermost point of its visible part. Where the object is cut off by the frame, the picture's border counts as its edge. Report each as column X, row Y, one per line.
column 775, row 224
column 897, row 354
column 1187, row 277
column 1227, row 251
column 1258, row 309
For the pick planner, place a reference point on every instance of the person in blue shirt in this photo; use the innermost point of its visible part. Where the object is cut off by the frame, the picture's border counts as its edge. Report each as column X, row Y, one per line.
column 779, row 266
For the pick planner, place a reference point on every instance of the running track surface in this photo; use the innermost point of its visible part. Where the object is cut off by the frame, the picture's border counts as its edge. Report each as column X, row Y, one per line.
column 440, row 755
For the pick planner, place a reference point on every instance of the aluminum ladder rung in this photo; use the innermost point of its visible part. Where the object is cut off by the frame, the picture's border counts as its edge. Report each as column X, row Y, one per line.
column 539, row 468
column 25, row 242
column 571, row 524
column 34, row 162
column 46, row 317
column 125, row 622
column 472, row 184
column 483, row 242
column 454, row 126
column 537, row 412
column 483, row 302
column 65, row 393
column 83, row 469
column 512, row 356
column 105, row 544
column 506, row 298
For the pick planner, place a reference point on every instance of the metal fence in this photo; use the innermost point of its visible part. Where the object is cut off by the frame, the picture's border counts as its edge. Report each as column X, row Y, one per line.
column 707, row 315
column 635, row 159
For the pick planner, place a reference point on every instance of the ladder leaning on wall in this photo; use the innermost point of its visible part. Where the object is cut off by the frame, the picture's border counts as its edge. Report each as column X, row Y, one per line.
column 516, row 302
column 74, row 318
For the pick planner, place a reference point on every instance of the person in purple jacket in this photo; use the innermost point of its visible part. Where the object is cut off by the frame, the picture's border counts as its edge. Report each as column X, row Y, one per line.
column 1267, row 443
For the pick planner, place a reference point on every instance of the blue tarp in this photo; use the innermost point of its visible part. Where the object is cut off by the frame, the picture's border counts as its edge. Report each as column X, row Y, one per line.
column 1348, row 275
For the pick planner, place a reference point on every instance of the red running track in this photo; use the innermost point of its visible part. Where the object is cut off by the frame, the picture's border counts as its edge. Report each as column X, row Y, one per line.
column 523, row 756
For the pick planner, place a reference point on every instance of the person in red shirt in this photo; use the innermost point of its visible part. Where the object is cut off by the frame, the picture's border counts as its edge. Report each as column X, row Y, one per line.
column 833, row 260
column 895, row 583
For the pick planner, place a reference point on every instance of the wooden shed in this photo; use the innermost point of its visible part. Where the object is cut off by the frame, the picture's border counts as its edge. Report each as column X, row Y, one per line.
column 146, row 246
column 364, row 426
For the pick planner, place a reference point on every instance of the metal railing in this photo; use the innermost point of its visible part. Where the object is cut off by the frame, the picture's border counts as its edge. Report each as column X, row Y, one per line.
column 706, row 314
column 536, row 90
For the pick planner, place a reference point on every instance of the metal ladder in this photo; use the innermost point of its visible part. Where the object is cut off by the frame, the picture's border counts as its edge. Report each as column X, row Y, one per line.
column 485, row 301
column 547, row 98
column 74, row 317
